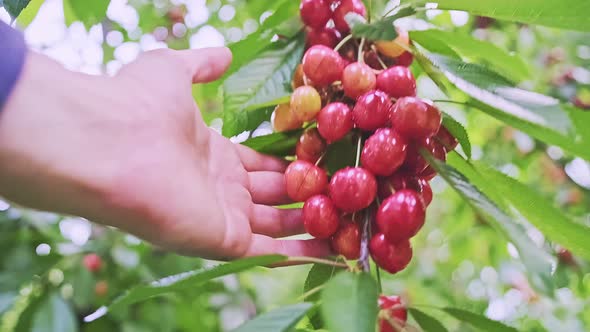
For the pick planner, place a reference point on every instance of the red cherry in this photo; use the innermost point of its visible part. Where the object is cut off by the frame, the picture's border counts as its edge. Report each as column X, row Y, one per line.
column 414, row 118
column 347, row 240
column 92, row 262
column 353, row 189
column 372, row 110
column 358, row 78
column 439, row 153
column 315, row 13
column 345, row 7
column 394, row 308
column 310, row 146
column 401, row 180
column 405, row 59
column 397, row 82
column 304, row 179
column 444, row 137
column 335, row 121
column 320, row 217
column 384, row 152
column 322, row 36
column 390, row 257
column 401, row 215
column 414, row 162
column 398, row 181
column 322, row 65
column 426, row 192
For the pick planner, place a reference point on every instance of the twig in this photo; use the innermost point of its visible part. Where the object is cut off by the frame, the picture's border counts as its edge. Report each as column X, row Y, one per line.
column 303, row 259
column 363, row 261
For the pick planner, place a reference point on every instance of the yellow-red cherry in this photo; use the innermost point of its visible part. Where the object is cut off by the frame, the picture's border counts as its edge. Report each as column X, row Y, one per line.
column 304, row 179
column 322, row 65
column 357, row 79
column 305, row 103
column 311, row 146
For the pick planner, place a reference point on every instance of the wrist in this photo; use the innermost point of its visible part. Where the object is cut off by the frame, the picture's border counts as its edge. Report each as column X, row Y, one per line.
column 38, row 134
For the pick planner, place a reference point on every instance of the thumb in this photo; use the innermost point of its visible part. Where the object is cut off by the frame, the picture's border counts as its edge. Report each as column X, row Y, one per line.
column 206, row 64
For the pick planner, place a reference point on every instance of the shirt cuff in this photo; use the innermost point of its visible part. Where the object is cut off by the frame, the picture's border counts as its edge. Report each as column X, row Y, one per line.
column 12, row 58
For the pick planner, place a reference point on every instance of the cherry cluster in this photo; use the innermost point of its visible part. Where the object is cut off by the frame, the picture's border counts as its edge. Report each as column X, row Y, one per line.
column 364, row 91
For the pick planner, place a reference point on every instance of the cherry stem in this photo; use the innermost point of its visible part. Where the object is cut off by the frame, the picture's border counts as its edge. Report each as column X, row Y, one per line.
column 379, row 279
column 321, row 158
column 304, row 259
column 342, row 42
column 377, row 269
column 358, row 151
column 363, row 261
column 381, row 62
column 359, row 56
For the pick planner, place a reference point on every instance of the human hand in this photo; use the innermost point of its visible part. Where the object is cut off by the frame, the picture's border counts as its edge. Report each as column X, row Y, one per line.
column 133, row 152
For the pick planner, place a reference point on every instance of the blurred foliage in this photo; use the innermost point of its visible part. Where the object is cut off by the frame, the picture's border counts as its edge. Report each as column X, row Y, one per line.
column 460, row 260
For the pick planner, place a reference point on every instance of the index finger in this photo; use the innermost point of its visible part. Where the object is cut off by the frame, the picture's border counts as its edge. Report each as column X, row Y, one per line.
column 255, row 161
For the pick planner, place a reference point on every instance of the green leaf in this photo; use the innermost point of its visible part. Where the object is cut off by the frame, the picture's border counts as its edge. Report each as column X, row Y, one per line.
column 341, row 154
column 279, row 320
column 183, row 281
column 492, row 207
column 349, row 303
column 379, row 30
column 88, row 12
column 15, row 7
column 475, row 50
column 479, row 321
column 566, row 14
column 54, row 314
column 427, row 322
column 540, row 116
column 276, row 144
column 248, row 48
column 259, row 84
column 28, row 14
column 542, row 213
column 457, row 130
column 318, row 275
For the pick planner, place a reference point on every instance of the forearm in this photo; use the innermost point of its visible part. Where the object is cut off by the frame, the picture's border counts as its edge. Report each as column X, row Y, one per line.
column 12, row 55
column 39, row 142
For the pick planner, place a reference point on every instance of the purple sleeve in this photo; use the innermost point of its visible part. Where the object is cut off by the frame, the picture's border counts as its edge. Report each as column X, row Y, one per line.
column 12, row 57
